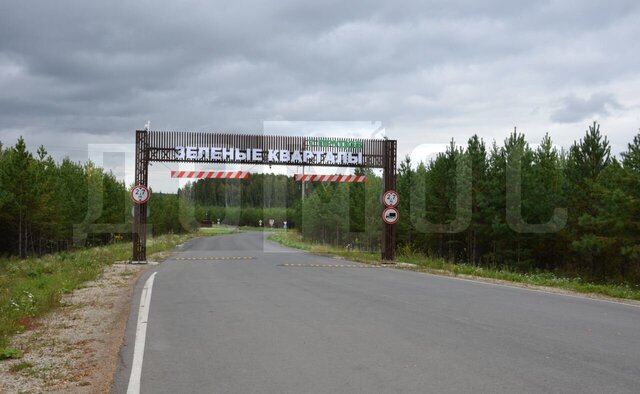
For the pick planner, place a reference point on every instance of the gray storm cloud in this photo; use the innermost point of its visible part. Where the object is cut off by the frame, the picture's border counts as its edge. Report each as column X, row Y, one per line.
column 74, row 73
column 575, row 109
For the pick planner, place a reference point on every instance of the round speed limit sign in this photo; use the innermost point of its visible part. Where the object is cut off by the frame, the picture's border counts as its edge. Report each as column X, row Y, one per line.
column 391, row 198
column 140, row 194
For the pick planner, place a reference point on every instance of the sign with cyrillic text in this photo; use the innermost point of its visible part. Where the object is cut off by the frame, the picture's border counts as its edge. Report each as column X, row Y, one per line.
column 275, row 156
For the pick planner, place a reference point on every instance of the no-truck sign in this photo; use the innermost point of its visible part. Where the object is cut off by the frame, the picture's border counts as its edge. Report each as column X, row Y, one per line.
column 391, row 198
column 140, row 194
column 390, row 215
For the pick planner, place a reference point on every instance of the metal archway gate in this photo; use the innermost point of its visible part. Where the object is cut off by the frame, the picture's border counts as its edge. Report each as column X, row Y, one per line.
column 197, row 147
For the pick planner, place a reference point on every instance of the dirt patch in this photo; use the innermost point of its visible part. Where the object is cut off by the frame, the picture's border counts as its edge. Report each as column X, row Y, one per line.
column 74, row 349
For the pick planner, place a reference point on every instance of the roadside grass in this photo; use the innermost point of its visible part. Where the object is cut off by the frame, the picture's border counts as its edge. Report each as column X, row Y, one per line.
column 228, row 229
column 7, row 353
column 422, row 263
column 21, row 366
column 254, row 228
column 293, row 239
column 32, row 287
column 218, row 230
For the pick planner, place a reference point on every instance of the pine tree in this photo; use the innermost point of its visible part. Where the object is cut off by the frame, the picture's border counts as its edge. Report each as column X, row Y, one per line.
column 476, row 233
column 587, row 159
column 20, row 197
column 548, row 205
column 404, row 182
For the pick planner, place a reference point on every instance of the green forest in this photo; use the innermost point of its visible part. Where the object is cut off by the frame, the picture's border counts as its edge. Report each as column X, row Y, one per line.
column 573, row 212
column 48, row 206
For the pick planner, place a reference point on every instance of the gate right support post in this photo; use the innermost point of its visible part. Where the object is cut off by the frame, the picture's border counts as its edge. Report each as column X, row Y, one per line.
column 389, row 180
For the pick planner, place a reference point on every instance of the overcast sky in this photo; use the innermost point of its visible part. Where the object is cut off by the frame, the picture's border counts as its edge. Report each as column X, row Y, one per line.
column 74, row 73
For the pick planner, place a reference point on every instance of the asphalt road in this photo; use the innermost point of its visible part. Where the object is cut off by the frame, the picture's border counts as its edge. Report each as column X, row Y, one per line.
column 264, row 324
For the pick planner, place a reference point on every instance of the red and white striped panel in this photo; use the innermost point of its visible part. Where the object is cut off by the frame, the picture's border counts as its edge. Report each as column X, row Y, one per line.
column 330, row 178
column 211, row 174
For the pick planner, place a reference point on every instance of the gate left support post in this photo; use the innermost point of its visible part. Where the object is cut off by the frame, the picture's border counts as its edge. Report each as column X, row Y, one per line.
column 139, row 231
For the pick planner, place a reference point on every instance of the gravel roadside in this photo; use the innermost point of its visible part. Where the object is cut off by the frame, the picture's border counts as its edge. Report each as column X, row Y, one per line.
column 74, row 349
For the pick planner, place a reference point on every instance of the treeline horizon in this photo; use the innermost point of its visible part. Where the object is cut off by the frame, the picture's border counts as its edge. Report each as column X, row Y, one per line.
column 575, row 212
column 498, row 206
column 48, row 206
column 41, row 201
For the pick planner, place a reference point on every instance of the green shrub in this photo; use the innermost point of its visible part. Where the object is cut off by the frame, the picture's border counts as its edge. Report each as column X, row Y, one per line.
column 7, row 353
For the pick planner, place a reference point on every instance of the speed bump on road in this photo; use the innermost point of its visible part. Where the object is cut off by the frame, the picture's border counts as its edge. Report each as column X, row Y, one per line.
column 329, row 265
column 217, row 258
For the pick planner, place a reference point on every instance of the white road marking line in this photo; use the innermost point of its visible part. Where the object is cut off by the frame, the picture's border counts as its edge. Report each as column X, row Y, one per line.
column 141, row 335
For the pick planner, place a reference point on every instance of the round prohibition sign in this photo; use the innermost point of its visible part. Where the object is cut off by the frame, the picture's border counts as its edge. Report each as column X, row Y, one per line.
column 390, row 215
column 140, row 194
column 391, row 198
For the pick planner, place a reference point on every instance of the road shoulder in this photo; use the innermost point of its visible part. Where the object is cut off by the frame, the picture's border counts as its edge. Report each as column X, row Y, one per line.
column 296, row 243
column 74, row 349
